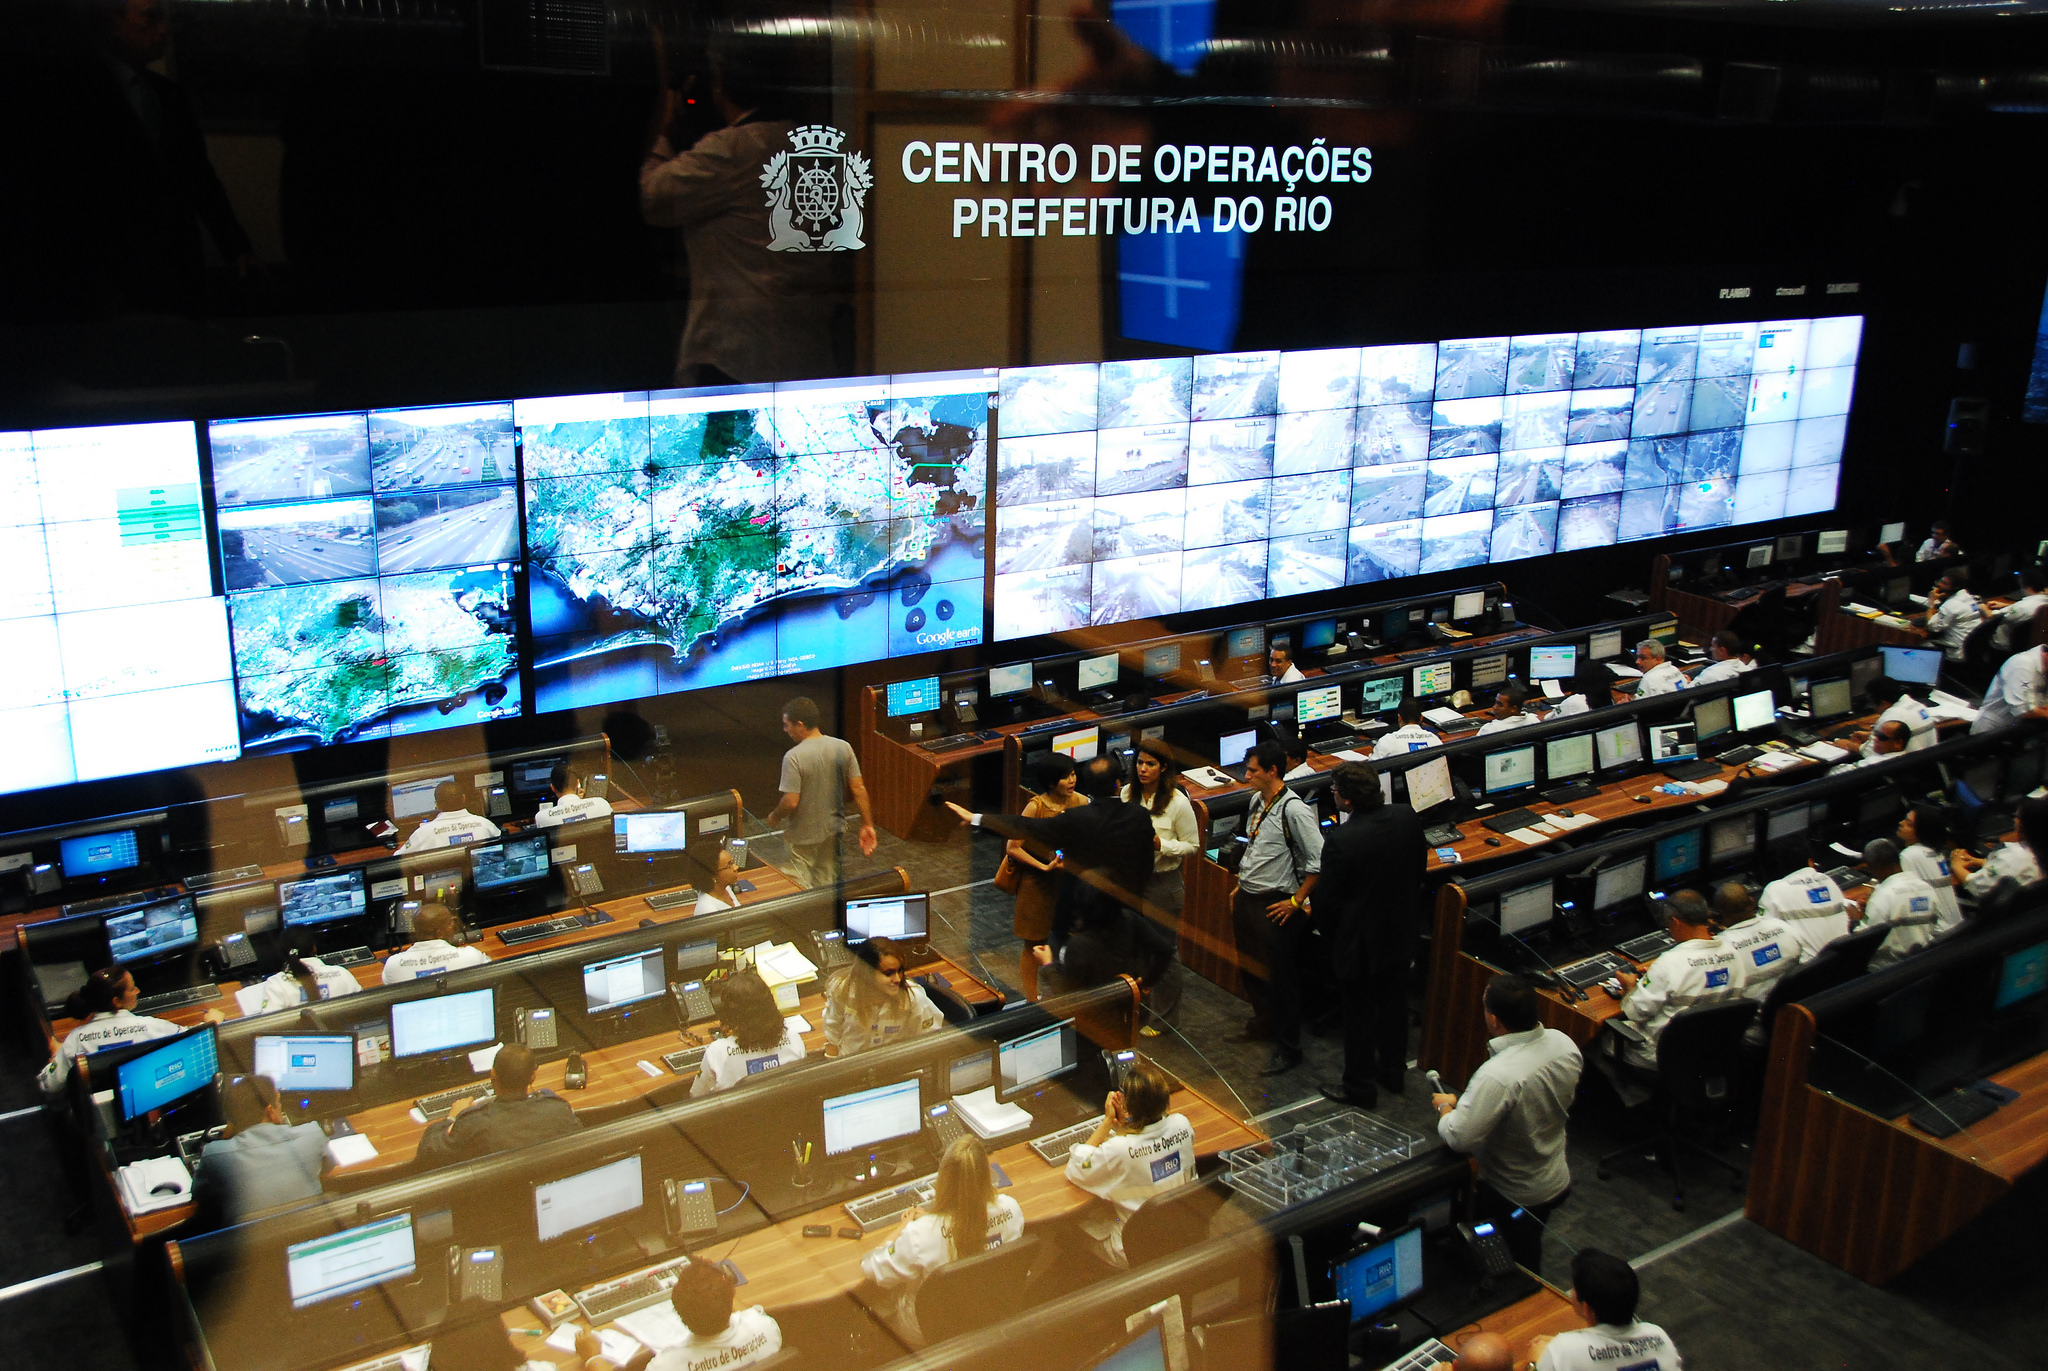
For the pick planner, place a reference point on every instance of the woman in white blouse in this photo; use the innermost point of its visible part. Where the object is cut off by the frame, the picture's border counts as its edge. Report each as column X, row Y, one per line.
column 1174, row 835
column 967, row 1217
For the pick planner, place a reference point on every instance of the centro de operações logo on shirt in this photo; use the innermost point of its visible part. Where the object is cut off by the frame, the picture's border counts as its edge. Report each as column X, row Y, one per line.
column 816, row 193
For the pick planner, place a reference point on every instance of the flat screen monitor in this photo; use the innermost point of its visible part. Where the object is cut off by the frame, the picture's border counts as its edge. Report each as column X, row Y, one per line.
column 1791, row 547
column 1163, row 660
column 515, row 861
column 1831, row 699
column 1665, row 631
column 1755, row 711
column 1525, row 908
column 1468, row 604
column 1672, row 743
column 1232, row 747
column 1096, row 673
column 920, row 696
column 2021, row 976
column 1731, row 840
column 1432, row 678
column 321, row 899
column 98, row 854
column 888, row 916
column 1145, row 1352
column 348, row 808
column 154, row 929
column 1553, row 663
column 1913, row 665
column 415, row 799
column 1380, row 1277
column 443, row 1023
column 1079, row 743
column 1490, row 670
column 354, row 1259
column 617, row 982
column 1013, row 679
column 1025, row 1063
column 306, row 1063
column 1618, row 884
column 1787, row 825
column 870, row 1118
column 1677, row 855
column 1395, row 626
column 578, row 1203
column 166, row 1074
column 1512, row 769
column 1380, row 696
column 1619, row 745
column 1861, row 673
column 1242, row 644
column 667, row 831
column 965, row 1075
column 1711, row 717
column 1831, row 542
column 1564, row 758
column 704, row 952
column 1429, row 784
column 1891, row 533
column 1318, row 633
column 1758, row 558
column 1314, row 706
column 1604, row 644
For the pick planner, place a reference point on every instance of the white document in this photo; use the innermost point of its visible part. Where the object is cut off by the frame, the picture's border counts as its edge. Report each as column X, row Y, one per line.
column 1528, row 836
column 618, row 1348
column 1568, row 822
column 563, row 1339
column 1708, row 787
column 1551, row 689
column 481, row 1059
column 138, row 1179
column 658, row 1326
column 350, row 1149
column 1209, row 776
column 1825, row 752
column 1348, row 755
column 1443, row 716
column 784, row 963
column 1774, row 760
column 1627, row 672
column 987, row 1117
column 798, row 1022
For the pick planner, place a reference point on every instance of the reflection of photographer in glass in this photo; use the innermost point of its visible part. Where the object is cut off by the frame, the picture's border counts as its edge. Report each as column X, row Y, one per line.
column 756, row 314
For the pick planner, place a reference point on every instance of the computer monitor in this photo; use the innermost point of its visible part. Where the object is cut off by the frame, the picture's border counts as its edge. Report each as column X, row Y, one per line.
column 1619, row 745
column 1096, row 673
column 1318, row 633
column 1790, row 547
column 1786, row 827
column 1025, row 1063
column 920, row 696
column 1526, row 907
column 870, row 1118
column 1757, row 558
column 1604, row 644
column 1620, row 883
column 668, row 831
column 438, row 1024
column 152, row 930
column 1555, row 662
column 1145, row 1352
column 888, row 916
column 1394, row 626
column 702, row 952
column 1731, row 840
column 1380, row 696
column 1079, row 743
column 415, row 799
column 1242, row 644
column 1913, row 665
column 1468, row 604
column 1510, row 770
column 972, row 1072
column 579, row 1203
column 1677, row 855
column 1862, row 672
column 2021, row 976
column 1432, row 678
column 1891, row 533
column 99, row 854
column 1672, row 743
column 1755, row 711
column 167, row 1073
column 1163, row 660
column 321, row 899
column 307, row 1063
column 1232, row 747
column 1490, row 670
column 1711, row 717
column 1429, row 784
column 617, row 982
column 1013, row 679
column 1376, row 1278
column 1566, row 757
column 514, row 861
column 1831, row 542
column 1314, row 706
column 338, row 1264
column 1831, row 699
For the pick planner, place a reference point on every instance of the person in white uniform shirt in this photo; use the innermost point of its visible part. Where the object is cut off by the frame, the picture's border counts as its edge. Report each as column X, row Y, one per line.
column 1952, row 611
column 1730, row 659
column 2015, row 862
column 721, row 1338
column 715, row 875
column 2019, row 689
column 1938, row 544
column 1281, row 660
column 1926, row 835
column 1660, row 677
column 452, row 823
column 569, row 804
column 1411, row 736
column 1138, row 1150
column 303, row 979
column 1900, row 707
column 1605, row 1292
column 759, row 1038
column 107, row 1004
column 1296, row 753
column 873, row 1001
column 433, row 950
column 967, row 1216
column 1764, row 945
column 1592, row 686
column 2016, row 620
column 1901, row 900
column 1512, row 1116
column 1700, row 970
column 1507, row 710
column 1809, row 903
column 1886, row 741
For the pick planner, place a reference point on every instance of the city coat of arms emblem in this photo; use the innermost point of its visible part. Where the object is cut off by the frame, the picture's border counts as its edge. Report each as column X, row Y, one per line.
column 816, row 193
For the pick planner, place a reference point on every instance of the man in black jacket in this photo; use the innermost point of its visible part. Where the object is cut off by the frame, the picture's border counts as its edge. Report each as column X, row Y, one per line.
column 1368, row 904
column 515, row 1115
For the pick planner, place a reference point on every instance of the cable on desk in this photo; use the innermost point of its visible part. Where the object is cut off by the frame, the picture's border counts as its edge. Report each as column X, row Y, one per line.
column 745, row 1190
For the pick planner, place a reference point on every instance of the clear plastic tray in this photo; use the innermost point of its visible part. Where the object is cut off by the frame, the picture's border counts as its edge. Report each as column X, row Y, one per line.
column 1313, row 1158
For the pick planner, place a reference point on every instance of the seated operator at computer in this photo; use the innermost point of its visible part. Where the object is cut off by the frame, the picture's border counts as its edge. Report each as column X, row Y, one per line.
column 1281, row 660
column 513, row 1115
column 433, row 950
column 1660, row 677
column 1591, row 687
column 720, row 1337
column 714, row 873
column 1729, row 658
column 1138, row 1150
column 966, row 1217
column 107, row 1004
column 1508, row 709
column 1411, row 736
column 1700, row 970
column 452, row 823
column 757, row 1037
column 303, row 979
column 263, row 1161
column 873, row 1001
column 1605, row 1292
column 568, row 804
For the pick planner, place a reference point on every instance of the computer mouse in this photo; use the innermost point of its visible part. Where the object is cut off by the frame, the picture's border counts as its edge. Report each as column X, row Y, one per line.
column 1566, row 813
column 1493, row 842
column 647, row 923
column 167, row 1188
column 574, row 1074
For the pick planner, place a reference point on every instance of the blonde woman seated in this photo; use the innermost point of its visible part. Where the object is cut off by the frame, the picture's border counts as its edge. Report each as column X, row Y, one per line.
column 758, row 1038
column 967, row 1217
column 873, row 1002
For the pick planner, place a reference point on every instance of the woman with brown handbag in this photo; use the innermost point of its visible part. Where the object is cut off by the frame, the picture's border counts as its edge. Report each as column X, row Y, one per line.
column 1036, row 869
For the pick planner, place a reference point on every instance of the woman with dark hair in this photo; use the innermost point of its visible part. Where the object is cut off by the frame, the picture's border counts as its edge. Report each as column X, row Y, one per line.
column 1592, row 686
column 303, row 979
column 873, row 1001
column 1925, row 836
column 760, row 1038
column 2015, row 863
column 107, row 1004
column 714, row 873
column 1174, row 833
column 967, row 1216
column 1038, row 887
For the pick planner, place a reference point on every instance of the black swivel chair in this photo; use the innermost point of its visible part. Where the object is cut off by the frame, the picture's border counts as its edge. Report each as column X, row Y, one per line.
column 948, row 1001
column 1699, row 1075
column 1170, row 1222
column 1854, row 951
column 1980, row 659
column 976, row 1291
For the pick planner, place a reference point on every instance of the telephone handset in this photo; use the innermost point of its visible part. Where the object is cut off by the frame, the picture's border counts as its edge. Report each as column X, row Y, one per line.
column 693, row 1002
column 536, row 1027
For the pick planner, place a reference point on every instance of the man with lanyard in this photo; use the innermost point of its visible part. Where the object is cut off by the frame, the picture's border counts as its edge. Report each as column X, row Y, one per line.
column 1283, row 849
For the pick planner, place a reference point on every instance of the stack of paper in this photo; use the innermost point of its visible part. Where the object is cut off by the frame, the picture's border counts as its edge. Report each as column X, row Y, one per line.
column 988, row 1118
column 658, row 1326
column 138, row 1179
column 782, row 964
column 1443, row 716
column 1825, row 752
column 1626, row 672
column 350, row 1148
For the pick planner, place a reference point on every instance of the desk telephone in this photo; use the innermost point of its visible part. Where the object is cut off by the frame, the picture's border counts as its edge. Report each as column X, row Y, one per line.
column 1486, row 1251
column 693, row 1002
column 688, row 1206
column 585, row 880
column 234, row 951
column 536, row 1027
column 402, row 914
column 476, row 1273
column 945, row 1126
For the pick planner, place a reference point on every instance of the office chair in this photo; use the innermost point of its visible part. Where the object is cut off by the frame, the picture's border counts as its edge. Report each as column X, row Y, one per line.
column 1699, row 1067
column 1980, row 659
column 1317, row 1338
column 1824, row 972
column 976, row 1291
column 837, row 1330
column 1167, row 1223
column 1854, row 950
column 948, row 1001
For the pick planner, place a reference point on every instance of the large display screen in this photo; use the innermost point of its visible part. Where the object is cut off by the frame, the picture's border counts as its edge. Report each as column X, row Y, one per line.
column 1135, row 489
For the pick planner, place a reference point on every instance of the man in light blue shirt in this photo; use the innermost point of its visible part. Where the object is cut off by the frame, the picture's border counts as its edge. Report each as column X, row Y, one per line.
column 1283, row 851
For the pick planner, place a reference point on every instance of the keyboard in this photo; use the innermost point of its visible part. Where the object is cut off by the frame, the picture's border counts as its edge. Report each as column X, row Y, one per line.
column 1330, row 745
column 178, row 999
column 1513, row 819
column 1594, row 970
column 438, row 1105
column 1691, row 771
column 628, row 1293
column 1565, row 794
column 348, row 956
column 1948, row 1114
column 406, row 1360
column 952, row 743
column 544, row 928
column 1431, row 1353
column 1052, row 1149
column 685, row 1061
column 1736, row 756
column 1443, row 835
column 134, row 897
column 207, row 880
column 886, row 1206
column 1648, row 947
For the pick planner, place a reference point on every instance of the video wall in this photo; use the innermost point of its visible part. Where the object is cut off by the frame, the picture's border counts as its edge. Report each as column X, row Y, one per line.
column 1129, row 490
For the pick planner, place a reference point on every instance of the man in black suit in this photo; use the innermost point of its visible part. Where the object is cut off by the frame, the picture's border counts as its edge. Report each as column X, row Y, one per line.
column 1368, row 905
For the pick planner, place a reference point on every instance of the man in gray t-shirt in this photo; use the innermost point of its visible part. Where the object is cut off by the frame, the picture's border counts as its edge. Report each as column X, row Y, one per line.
column 815, row 774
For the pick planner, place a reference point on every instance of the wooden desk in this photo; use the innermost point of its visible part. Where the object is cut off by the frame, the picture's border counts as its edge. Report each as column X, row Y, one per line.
column 1548, row 1312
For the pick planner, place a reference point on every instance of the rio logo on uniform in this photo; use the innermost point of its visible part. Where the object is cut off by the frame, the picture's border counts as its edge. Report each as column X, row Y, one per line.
column 816, row 193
